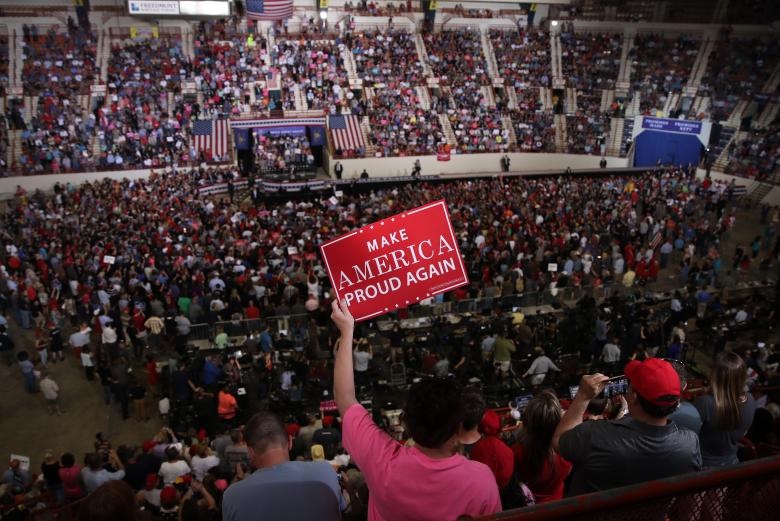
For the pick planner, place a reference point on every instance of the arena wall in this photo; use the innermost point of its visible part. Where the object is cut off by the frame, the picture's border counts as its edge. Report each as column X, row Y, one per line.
column 472, row 163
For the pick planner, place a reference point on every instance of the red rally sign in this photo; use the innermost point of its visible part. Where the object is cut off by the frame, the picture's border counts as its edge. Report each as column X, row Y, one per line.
column 395, row 262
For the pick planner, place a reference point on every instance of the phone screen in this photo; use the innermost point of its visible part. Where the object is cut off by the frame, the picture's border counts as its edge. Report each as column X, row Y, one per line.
column 615, row 386
column 573, row 390
column 522, row 401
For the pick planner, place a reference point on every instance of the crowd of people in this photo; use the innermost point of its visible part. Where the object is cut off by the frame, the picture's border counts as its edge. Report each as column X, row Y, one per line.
column 181, row 259
column 757, row 156
column 317, row 68
column 389, row 65
column 456, row 57
column 590, row 64
column 740, row 71
column 400, row 126
column 386, row 60
column 229, row 61
column 58, row 68
column 283, row 153
column 534, row 130
column 4, row 61
column 524, row 63
column 660, row 66
column 144, row 119
column 367, row 8
column 590, row 61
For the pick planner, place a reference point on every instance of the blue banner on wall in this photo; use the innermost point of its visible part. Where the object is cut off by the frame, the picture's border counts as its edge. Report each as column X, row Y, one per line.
column 672, row 125
column 668, row 148
column 242, row 138
column 281, row 131
column 317, row 136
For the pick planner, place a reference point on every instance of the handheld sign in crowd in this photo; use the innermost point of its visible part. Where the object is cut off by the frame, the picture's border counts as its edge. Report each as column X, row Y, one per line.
column 395, row 262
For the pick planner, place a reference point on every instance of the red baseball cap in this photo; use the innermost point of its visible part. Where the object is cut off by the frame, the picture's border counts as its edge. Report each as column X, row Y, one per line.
column 655, row 380
column 151, row 481
column 168, row 496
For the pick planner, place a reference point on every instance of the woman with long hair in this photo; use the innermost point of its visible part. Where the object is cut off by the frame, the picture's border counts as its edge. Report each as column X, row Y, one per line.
column 536, row 463
column 726, row 411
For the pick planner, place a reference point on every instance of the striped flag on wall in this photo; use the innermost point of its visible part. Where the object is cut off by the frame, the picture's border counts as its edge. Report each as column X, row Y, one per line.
column 211, row 134
column 346, row 132
column 269, row 9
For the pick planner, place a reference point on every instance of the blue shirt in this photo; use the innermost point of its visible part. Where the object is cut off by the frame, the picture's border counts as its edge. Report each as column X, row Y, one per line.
column 674, row 350
column 265, row 341
column 687, row 417
column 266, row 494
column 210, row 373
column 26, row 366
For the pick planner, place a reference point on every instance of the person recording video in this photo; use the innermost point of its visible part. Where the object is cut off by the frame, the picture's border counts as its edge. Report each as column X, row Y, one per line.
column 611, row 454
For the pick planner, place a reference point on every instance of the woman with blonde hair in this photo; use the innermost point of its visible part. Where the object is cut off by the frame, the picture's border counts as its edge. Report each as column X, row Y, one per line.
column 726, row 411
column 536, row 463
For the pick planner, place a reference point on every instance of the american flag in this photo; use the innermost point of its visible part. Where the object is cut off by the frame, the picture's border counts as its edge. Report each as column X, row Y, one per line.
column 211, row 135
column 656, row 240
column 346, row 132
column 269, row 9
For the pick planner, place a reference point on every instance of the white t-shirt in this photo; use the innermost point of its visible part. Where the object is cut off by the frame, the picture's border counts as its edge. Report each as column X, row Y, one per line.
column 202, row 465
column 49, row 388
column 170, row 471
column 164, row 406
column 361, row 360
column 611, row 353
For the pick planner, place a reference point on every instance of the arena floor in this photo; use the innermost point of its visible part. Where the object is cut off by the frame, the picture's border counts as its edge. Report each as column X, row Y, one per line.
column 27, row 428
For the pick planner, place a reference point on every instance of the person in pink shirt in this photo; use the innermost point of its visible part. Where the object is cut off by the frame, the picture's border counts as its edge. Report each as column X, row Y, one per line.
column 427, row 481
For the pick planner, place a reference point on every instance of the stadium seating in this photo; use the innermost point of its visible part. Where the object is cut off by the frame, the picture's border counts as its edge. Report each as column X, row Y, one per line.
column 489, row 91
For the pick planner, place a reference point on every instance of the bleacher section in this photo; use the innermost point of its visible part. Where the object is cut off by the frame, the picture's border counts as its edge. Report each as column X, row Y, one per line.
column 122, row 97
column 740, row 70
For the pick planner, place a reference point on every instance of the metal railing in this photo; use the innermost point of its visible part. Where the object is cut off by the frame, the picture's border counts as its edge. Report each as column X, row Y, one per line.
column 542, row 300
column 748, row 491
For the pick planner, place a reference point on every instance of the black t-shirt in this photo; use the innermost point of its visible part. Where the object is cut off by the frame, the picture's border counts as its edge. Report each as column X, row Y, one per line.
column 55, row 339
column 718, row 446
column 329, row 438
column 137, row 392
column 104, row 373
column 50, row 473
column 611, row 454
column 136, row 472
column 205, row 407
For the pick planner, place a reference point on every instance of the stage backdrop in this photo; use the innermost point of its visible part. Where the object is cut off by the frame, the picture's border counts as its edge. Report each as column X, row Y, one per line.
column 671, row 141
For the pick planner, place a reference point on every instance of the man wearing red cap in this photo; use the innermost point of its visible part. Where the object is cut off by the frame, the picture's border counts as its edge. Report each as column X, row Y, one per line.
column 642, row 446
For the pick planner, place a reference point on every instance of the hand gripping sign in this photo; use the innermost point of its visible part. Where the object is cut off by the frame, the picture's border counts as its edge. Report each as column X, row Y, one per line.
column 395, row 262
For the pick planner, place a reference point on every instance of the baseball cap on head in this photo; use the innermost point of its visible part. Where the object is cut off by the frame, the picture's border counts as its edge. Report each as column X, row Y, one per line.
column 317, row 452
column 655, row 380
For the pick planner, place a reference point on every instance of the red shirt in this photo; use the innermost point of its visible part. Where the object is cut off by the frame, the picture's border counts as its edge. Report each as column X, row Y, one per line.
column 548, row 486
column 138, row 321
column 252, row 312
column 226, row 405
column 151, row 372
